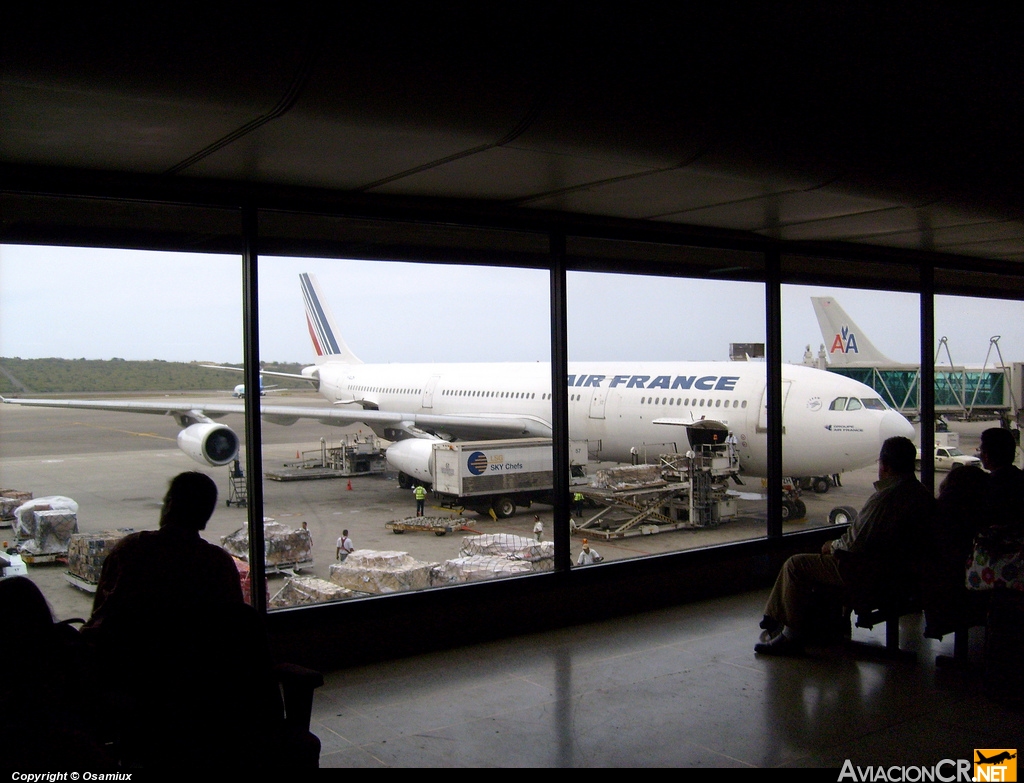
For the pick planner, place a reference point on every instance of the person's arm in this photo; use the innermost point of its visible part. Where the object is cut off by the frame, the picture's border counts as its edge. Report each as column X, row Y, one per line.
column 858, row 534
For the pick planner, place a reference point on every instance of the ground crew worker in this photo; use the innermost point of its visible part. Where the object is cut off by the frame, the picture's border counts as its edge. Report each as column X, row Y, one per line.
column 588, row 556
column 344, row 548
column 577, row 498
column 421, row 496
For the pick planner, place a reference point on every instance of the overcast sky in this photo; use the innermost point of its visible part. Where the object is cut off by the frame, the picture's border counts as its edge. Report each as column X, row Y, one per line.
column 98, row 304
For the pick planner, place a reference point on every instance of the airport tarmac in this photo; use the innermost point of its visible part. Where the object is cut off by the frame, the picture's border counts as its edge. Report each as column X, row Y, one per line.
column 116, row 467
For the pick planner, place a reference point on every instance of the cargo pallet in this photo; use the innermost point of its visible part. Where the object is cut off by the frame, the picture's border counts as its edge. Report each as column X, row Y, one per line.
column 82, row 584
column 420, row 525
column 53, row 557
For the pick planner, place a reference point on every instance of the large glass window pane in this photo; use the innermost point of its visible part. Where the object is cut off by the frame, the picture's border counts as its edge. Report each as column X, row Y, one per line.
column 125, row 332
column 854, row 356
column 978, row 365
column 657, row 365
column 420, row 374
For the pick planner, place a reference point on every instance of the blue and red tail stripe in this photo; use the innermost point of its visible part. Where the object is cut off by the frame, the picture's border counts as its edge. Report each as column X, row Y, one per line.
column 320, row 332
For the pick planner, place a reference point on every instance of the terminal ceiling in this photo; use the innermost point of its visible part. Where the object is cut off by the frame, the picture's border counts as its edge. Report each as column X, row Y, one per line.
column 835, row 124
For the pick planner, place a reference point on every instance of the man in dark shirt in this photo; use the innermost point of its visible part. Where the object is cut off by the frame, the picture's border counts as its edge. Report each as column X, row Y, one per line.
column 167, row 573
column 875, row 547
column 1004, row 495
column 174, row 645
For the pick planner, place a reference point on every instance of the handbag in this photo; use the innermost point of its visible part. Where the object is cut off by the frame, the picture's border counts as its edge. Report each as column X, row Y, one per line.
column 997, row 561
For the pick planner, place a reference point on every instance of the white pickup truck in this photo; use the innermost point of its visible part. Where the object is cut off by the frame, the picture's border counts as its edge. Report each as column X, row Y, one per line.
column 949, row 458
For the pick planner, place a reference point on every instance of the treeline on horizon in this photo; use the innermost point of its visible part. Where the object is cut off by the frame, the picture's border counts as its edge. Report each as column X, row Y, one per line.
column 48, row 376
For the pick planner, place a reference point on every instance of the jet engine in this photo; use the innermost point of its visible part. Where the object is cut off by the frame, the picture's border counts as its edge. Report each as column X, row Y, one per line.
column 208, row 443
column 413, row 456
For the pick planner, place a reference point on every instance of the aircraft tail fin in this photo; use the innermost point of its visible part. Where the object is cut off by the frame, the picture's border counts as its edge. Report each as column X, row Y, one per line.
column 846, row 343
column 323, row 332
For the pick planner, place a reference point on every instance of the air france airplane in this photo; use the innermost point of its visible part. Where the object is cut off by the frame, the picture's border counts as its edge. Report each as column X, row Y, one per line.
column 620, row 408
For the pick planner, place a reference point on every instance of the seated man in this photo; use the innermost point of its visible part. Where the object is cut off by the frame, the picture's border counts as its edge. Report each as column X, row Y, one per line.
column 873, row 548
column 1004, row 495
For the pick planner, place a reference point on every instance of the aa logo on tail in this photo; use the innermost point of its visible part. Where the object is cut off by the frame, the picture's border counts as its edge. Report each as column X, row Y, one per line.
column 995, row 764
column 845, row 342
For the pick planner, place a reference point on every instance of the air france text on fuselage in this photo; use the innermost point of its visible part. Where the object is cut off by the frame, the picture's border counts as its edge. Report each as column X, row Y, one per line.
column 699, row 382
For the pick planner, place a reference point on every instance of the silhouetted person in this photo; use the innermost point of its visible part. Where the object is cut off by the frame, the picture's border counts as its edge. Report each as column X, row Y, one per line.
column 1005, row 493
column 51, row 711
column 958, row 518
column 167, row 571
column 171, row 632
column 873, row 554
column 1003, row 675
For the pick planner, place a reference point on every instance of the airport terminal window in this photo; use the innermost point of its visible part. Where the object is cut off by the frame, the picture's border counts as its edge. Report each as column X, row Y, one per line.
column 616, row 319
column 634, row 334
column 842, row 342
column 362, row 329
column 978, row 367
column 112, row 327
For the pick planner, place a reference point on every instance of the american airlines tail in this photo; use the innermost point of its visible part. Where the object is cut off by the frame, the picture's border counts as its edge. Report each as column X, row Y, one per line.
column 846, row 343
column 322, row 329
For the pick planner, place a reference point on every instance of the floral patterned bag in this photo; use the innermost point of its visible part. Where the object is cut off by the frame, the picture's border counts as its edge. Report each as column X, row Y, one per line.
column 996, row 562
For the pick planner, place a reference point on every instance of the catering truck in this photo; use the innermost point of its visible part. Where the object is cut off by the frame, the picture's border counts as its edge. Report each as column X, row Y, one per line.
column 499, row 475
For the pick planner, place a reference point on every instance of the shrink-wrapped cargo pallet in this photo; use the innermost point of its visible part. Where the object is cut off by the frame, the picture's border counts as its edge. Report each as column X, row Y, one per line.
column 25, row 515
column 51, row 532
column 628, row 477
column 476, row 568
column 7, row 506
column 303, row 590
column 369, row 571
column 10, row 499
column 87, row 551
column 508, row 546
column 283, row 546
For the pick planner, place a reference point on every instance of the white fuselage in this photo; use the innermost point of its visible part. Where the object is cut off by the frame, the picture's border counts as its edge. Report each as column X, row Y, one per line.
column 617, row 406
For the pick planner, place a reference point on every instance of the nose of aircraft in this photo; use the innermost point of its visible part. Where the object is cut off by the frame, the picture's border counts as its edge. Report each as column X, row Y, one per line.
column 893, row 425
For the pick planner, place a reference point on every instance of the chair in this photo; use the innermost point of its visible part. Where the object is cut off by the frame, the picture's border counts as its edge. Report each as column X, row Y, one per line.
column 203, row 690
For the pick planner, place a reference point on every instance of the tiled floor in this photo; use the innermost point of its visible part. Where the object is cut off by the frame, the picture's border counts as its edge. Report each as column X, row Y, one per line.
column 679, row 687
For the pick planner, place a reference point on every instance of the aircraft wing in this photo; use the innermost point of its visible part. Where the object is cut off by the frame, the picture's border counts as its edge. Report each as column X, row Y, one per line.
column 265, row 373
column 415, row 424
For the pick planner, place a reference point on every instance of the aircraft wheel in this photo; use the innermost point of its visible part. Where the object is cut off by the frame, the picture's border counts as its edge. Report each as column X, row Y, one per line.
column 788, row 511
column 404, row 481
column 504, row 507
column 841, row 515
column 800, row 509
column 821, row 484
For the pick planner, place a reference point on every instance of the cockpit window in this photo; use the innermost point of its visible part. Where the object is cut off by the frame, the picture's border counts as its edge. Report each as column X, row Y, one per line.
column 873, row 404
column 838, row 404
column 853, row 404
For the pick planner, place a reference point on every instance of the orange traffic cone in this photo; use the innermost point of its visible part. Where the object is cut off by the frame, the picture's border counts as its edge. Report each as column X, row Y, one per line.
column 349, row 487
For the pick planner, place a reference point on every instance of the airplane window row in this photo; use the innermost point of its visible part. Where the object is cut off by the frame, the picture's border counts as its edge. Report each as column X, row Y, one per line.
column 684, row 401
column 508, row 395
column 383, row 390
column 854, row 404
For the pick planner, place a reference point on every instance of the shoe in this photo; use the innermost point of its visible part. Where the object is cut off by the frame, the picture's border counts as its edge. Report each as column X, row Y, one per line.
column 780, row 645
column 770, row 628
column 768, row 634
